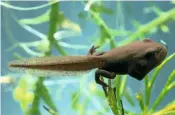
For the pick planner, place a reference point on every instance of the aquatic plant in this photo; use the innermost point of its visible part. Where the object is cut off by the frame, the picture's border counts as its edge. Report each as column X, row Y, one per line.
column 114, row 94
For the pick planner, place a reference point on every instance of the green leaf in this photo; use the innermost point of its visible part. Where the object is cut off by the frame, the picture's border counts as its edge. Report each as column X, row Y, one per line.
column 136, row 23
column 118, row 84
column 153, row 9
column 59, row 35
column 172, row 85
column 46, row 97
column 34, row 110
column 128, row 97
column 164, row 91
column 101, row 9
column 67, row 24
column 93, row 113
column 17, row 56
column 52, row 112
column 23, row 82
column 60, row 18
column 144, row 29
column 157, row 70
column 8, row 5
column 164, row 28
column 75, row 100
column 147, row 92
column 139, row 97
column 43, row 46
column 170, row 78
column 36, row 20
column 123, row 85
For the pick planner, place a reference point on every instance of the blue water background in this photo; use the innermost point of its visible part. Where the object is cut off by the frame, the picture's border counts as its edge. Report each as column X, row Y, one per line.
column 130, row 10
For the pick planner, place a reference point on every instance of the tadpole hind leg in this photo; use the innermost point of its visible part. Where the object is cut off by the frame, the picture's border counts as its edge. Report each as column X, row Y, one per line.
column 104, row 73
column 100, row 53
column 92, row 50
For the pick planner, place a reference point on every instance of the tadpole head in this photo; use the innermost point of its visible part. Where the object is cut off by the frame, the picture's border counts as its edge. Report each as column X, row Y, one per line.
column 156, row 53
column 151, row 55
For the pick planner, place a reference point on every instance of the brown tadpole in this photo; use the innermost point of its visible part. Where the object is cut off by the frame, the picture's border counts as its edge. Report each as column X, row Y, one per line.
column 135, row 59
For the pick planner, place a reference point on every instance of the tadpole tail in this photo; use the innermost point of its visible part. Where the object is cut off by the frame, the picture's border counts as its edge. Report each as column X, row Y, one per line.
column 61, row 64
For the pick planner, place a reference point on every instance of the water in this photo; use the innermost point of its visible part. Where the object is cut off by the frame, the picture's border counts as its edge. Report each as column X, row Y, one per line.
column 80, row 94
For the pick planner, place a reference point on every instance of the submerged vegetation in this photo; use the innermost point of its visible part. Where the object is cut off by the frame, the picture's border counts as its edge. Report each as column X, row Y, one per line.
column 34, row 97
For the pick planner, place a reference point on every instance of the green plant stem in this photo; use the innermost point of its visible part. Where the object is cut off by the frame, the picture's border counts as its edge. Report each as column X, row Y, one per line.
column 112, row 101
column 123, row 85
column 163, row 18
column 164, row 91
column 49, row 110
column 156, row 72
column 27, row 9
column 110, row 95
column 139, row 98
column 169, row 108
column 44, row 94
column 129, row 97
column 172, row 85
column 117, row 85
column 39, row 84
column 147, row 87
column 154, row 76
column 53, row 28
column 104, row 29
column 34, row 110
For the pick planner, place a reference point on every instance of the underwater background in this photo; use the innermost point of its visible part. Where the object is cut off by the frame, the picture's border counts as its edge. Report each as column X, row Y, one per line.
column 27, row 29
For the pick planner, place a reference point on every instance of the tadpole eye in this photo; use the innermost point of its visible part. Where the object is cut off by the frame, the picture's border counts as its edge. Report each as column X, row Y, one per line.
column 150, row 55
